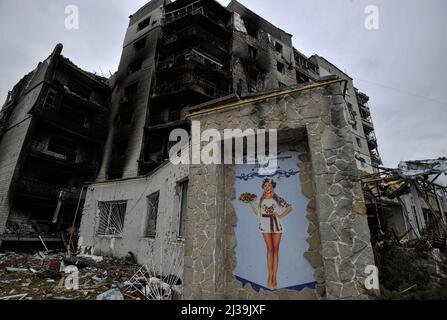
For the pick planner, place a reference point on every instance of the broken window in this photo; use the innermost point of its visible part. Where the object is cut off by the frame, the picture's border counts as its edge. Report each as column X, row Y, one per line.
column 280, row 67
column 251, row 27
column 183, row 196
column 278, row 47
column 143, row 24
column 135, row 66
column 152, row 212
column 111, row 218
column 140, row 44
column 253, row 52
column 130, row 92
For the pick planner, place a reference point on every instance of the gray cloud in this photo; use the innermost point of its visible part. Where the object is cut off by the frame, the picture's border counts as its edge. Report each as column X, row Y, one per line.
column 407, row 53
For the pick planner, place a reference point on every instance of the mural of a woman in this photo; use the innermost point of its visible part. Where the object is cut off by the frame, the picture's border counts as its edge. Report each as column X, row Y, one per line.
column 268, row 212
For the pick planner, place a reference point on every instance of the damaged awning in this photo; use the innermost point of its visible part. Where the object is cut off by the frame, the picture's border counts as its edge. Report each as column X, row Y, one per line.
column 414, row 169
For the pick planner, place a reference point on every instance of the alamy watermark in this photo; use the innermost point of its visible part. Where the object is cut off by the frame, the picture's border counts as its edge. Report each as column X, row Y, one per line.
column 372, row 20
column 72, row 17
column 239, row 147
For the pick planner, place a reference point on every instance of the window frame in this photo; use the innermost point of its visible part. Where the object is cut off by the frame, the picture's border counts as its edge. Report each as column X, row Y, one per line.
column 111, row 204
column 147, row 232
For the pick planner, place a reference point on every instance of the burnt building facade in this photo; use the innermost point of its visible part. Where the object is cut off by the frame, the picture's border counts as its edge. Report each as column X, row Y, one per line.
column 185, row 53
column 53, row 125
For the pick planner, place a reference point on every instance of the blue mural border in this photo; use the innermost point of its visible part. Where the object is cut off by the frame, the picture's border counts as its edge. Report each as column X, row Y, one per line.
column 257, row 287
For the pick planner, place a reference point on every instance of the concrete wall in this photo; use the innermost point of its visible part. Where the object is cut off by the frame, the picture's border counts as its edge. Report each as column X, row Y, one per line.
column 14, row 138
column 122, row 80
column 265, row 62
column 135, row 192
column 339, row 236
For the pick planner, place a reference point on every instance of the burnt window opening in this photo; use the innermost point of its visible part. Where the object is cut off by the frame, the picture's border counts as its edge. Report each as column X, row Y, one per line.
column 278, row 47
column 253, row 74
column 301, row 78
column 253, row 52
column 140, row 44
column 280, row 67
column 63, row 147
column 143, row 24
column 252, row 28
column 79, row 89
column 130, row 92
column 124, row 118
column 75, row 115
column 281, row 85
column 152, row 214
column 135, row 66
column 119, row 149
column 253, row 79
column 54, row 177
column 111, row 218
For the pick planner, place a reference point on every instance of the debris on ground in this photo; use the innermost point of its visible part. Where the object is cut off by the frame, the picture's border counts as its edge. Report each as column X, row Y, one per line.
column 52, row 275
column 112, row 294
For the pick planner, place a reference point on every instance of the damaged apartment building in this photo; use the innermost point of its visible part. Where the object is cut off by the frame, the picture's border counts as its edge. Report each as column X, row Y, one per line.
column 87, row 158
column 51, row 133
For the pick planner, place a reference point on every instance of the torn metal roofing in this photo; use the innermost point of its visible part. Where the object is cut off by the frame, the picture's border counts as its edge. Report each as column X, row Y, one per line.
column 414, row 169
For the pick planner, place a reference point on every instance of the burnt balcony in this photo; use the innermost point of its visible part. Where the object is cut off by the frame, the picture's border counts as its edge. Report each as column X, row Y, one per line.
column 83, row 102
column 195, row 36
column 197, row 11
column 40, row 189
column 362, row 98
column 189, row 61
column 375, row 158
column 62, row 156
column 56, row 116
column 372, row 142
column 186, row 85
column 367, row 125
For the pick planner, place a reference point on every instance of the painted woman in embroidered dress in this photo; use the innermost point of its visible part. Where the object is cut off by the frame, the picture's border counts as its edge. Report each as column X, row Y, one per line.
column 271, row 227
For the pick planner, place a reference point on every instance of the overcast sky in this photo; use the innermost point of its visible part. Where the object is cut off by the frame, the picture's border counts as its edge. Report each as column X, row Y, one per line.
column 401, row 66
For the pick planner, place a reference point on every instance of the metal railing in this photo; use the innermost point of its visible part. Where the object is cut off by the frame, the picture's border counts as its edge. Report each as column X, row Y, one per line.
column 188, row 56
column 36, row 187
column 189, row 81
column 195, row 30
column 191, row 9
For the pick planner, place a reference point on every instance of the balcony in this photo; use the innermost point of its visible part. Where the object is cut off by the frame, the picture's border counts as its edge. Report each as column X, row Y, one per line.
column 35, row 188
column 61, row 155
column 362, row 98
column 367, row 125
column 87, row 103
column 189, row 82
column 190, row 60
column 55, row 116
column 189, row 12
column 372, row 142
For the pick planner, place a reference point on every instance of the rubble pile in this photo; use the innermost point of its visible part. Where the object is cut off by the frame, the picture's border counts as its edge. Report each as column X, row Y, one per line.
column 59, row 276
